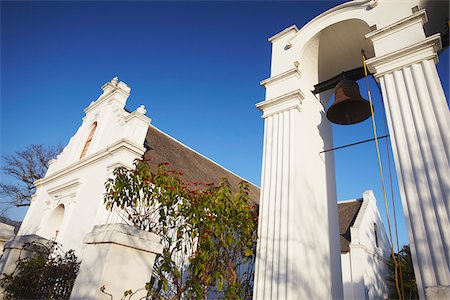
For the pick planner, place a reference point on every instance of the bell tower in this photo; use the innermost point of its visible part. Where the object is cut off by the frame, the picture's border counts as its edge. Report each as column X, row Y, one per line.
column 298, row 247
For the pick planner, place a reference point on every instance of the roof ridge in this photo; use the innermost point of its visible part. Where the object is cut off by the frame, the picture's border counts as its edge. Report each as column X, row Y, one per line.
column 198, row 153
column 360, row 215
column 349, row 200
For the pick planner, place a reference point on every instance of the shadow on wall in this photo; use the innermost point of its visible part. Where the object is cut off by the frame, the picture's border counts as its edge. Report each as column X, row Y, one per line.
column 118, row 258
column 375, row 277
column 349, row 286
column 306, row 273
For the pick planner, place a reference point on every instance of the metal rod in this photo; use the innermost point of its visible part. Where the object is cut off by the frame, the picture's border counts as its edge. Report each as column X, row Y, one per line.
column 353, row 144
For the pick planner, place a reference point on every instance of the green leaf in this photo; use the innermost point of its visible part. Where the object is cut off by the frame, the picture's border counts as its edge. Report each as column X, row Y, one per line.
column 220, row 283
column 166, row 285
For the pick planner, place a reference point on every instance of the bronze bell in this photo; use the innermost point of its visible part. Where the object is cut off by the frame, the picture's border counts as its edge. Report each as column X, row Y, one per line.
column 348, row 107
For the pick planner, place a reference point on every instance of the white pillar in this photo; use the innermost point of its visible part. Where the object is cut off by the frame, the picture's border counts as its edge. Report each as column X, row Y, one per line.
column 419, row 125
column 358, row 260
column 119, row 257
column 6, row 232
column 298, row 240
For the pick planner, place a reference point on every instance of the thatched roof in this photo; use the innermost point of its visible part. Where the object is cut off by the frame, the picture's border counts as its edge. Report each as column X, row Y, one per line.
column 348, row 211
column 196, row 167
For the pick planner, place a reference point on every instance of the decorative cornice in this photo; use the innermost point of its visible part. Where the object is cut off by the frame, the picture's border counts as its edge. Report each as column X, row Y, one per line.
column 139, row 116
column 104, row 98
column 70, row 185
column 423, row 50
column 419, row 16
column 110, row 168
column 122, row 144
column 292, row 28
column 119, row 165
column 277, row 78
column 291, row 100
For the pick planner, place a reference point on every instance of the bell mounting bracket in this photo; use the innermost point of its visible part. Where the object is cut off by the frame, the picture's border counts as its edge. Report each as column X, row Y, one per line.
column 331, row 83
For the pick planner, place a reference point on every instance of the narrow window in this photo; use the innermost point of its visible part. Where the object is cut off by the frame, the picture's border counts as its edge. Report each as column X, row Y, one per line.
column 375, row 230
column 89, row 139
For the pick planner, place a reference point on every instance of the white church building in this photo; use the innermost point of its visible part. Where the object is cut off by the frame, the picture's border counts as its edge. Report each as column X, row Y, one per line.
column 69, row 199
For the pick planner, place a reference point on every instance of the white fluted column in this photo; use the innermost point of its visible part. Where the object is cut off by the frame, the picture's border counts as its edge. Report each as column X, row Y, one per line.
column 419, row 124
column 298, row 241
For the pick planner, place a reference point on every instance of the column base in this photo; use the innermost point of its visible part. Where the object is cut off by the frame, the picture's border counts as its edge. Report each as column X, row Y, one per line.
column 437, row 292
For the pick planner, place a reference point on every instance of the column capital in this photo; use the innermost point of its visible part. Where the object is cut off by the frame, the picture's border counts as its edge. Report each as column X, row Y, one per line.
column 398, row 35
column 419, row 18
column 423, row 50
column 291, row 100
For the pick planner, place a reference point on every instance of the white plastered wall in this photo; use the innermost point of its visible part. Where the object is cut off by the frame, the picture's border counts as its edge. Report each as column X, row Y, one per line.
column 364, row 267
column 78, row 184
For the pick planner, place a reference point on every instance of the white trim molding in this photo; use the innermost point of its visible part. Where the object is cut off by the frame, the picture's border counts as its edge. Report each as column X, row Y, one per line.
column 278, row 78
column 68, row 188
column 417, row 17
column 121, row 145
column 288, row 101
column 292, row 28
column 397, row 60
column 137, row 115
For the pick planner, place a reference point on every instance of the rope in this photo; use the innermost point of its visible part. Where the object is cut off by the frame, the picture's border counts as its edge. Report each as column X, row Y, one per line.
column 392, row 194
column 380, row 165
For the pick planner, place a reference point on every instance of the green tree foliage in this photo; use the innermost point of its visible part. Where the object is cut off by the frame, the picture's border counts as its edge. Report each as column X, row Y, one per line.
column 208, row 232
column 407, row 279
column 46, row 272
column 25, row 167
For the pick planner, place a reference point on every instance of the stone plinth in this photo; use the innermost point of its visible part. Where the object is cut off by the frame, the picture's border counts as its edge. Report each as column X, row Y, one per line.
column 6, row 233
column 437, row 293
column 118, row 257
column 13, row 250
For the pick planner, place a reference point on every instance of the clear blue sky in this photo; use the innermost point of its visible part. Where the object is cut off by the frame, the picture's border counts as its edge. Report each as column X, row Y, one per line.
column 196, row 66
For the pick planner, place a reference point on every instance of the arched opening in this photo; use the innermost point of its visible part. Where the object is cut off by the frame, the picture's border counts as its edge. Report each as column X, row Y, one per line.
column 340, row 48
column 89, row 140
column 53, row 225
column 334, row 50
